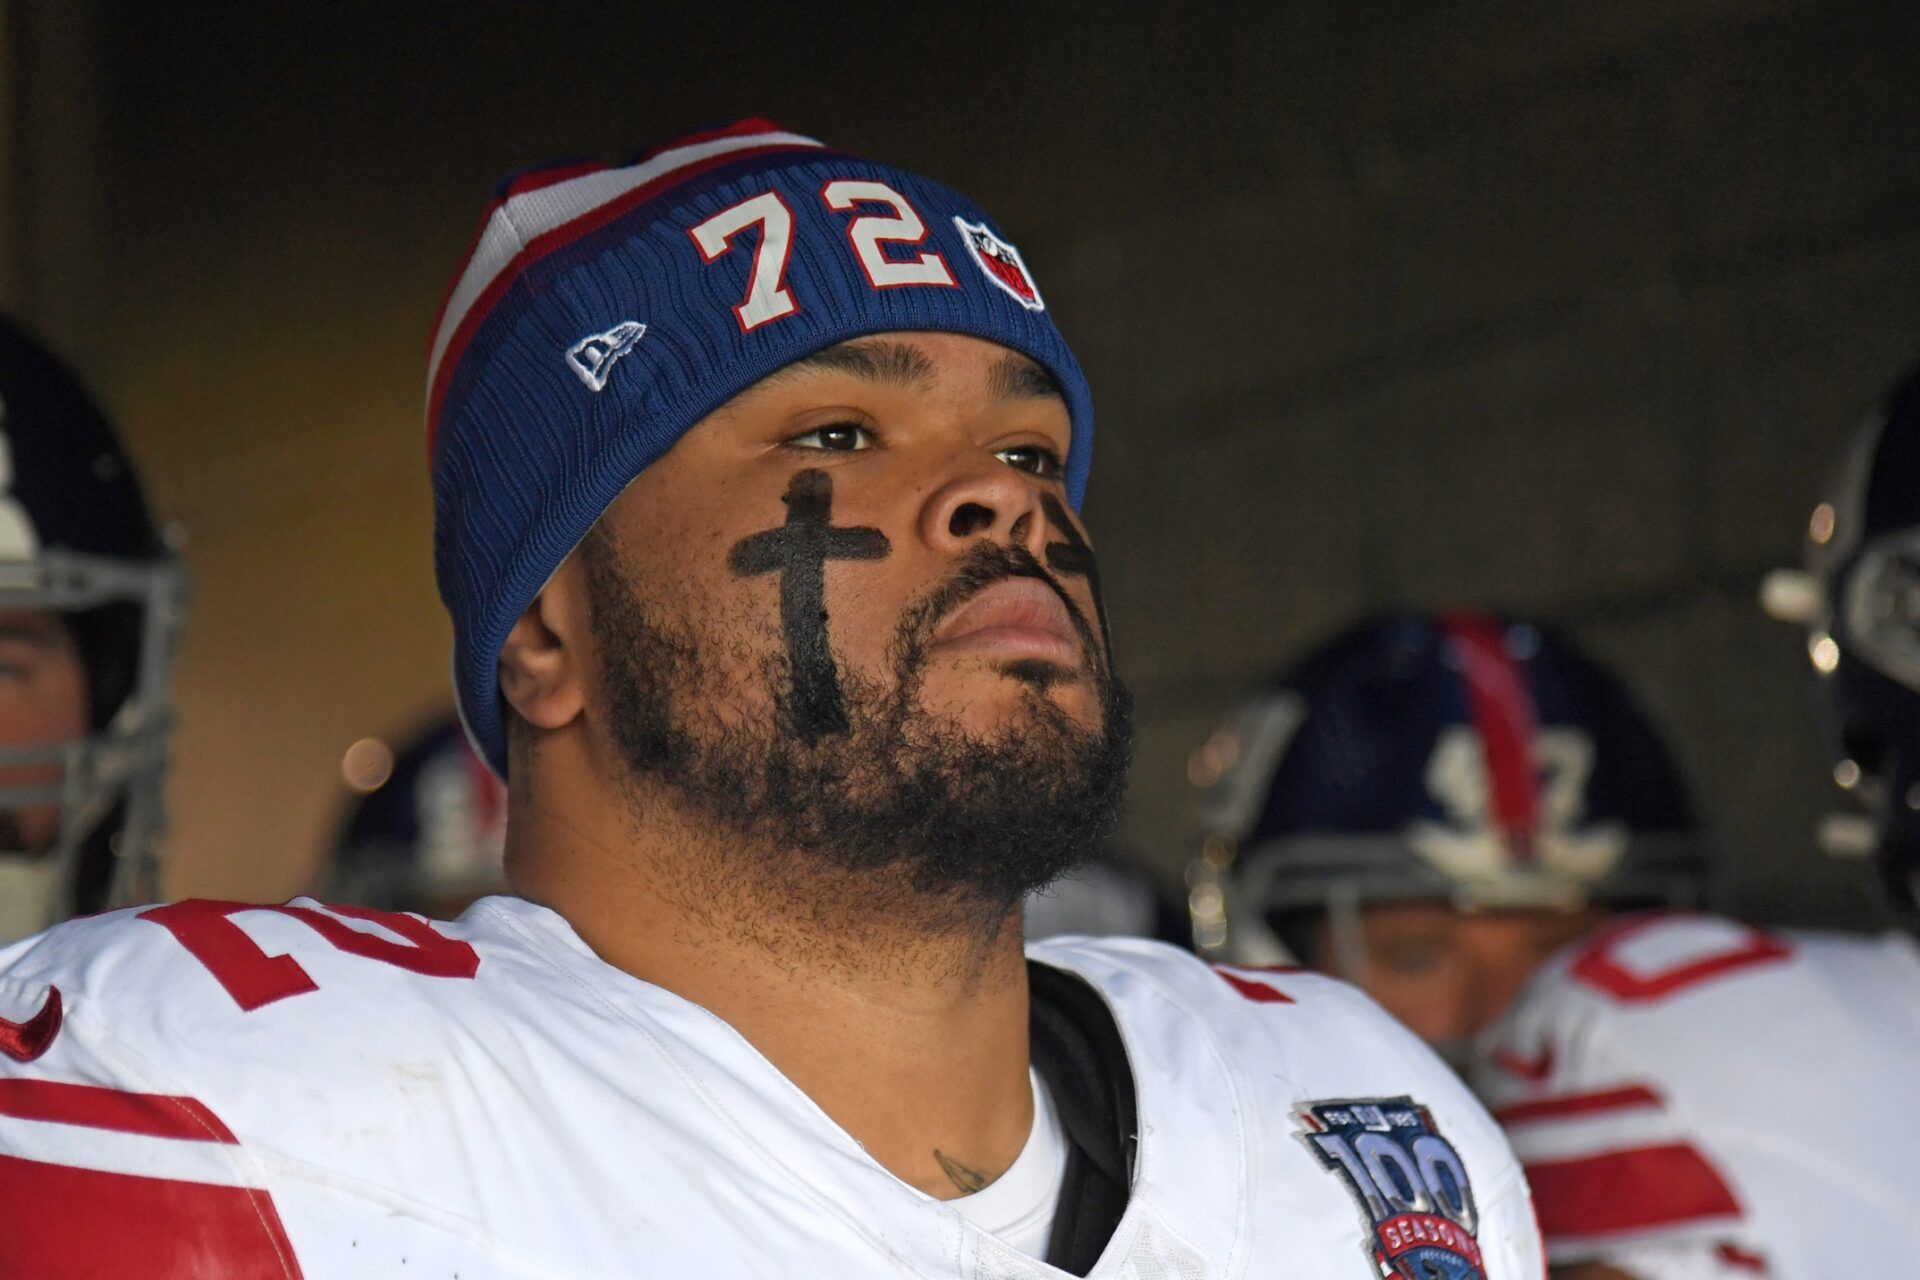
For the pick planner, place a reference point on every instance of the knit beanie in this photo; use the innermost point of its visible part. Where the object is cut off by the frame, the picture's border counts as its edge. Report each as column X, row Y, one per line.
column 603, row 311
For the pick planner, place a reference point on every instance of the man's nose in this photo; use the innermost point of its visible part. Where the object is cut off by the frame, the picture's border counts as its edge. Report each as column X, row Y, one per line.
column 984, row 499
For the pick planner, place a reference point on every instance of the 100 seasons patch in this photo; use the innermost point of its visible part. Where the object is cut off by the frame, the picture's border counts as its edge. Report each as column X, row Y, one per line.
column 1410, row 1183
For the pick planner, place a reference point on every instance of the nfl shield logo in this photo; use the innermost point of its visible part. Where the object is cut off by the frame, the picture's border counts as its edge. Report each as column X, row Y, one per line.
column 1000, row 262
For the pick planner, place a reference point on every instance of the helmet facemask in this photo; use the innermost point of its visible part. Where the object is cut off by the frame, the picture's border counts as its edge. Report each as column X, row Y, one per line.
column 1859, row 598
column 106, row 786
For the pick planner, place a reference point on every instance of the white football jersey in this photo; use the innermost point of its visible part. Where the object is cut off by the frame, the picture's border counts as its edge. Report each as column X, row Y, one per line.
column 209, row 1089
column 1694, row 1097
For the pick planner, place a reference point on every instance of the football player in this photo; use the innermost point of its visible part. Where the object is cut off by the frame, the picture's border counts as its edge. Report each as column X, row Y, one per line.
column 1430, row 806
column 90, row 604
column 756, row 467
column 426, row 829
column 1697, row 1097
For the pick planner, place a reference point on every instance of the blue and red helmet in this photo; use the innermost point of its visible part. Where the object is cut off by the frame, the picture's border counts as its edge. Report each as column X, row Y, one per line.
column 1459, row 759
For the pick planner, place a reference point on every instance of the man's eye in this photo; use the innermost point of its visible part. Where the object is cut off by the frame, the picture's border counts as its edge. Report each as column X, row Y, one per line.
column 1033, row 459
column 840, row 437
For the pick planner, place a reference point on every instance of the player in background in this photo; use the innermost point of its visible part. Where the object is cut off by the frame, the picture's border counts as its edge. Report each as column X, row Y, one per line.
column 756, row 467
column 1430, row 806
column 426, row 828
column 1696, row 1097
column 427, row 824
column 91, row 599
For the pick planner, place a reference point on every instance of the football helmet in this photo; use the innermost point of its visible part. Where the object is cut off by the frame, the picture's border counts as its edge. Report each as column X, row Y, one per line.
column 76, row 540
column 1457, row 759
column 426, row 831
column 1860, row 600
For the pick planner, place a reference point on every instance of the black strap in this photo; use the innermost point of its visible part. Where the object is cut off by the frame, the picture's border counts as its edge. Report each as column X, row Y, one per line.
column 1077, row 1051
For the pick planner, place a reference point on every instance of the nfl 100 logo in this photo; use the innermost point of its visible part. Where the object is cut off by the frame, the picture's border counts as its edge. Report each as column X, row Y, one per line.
column 1410, row 1182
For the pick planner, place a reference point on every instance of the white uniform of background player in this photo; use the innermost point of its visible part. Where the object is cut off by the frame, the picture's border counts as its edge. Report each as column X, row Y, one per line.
column 1695, row 1097
column 1692, row 1096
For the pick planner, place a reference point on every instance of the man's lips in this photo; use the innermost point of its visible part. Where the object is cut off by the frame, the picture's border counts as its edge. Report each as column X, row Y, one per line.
column 1013, row 618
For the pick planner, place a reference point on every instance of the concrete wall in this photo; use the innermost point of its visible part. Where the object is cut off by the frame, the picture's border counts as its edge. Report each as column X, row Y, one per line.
column 1392, row 304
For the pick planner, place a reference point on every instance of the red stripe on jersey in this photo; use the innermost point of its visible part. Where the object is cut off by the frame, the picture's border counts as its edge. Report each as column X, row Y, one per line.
column 1734, row 1256
column 1536, row 1069
column 62, row 1221
column 1598, row 969
column 1628, row 1191
column 154, row 1115
column 1258, row 992
column 1503, row 716
column 1568, row 1105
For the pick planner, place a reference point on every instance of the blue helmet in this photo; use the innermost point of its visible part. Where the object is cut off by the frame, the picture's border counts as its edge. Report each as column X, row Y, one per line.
column 1444, row 758
column 77, row 540
column 1861, row 602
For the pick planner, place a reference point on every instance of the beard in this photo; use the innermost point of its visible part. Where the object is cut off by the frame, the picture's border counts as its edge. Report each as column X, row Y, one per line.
column 905, row 815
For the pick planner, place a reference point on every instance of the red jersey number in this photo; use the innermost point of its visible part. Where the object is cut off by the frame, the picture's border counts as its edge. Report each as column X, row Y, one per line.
column 253, row 978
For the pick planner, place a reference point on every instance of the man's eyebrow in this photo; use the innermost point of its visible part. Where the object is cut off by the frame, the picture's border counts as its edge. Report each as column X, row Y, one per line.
column 1015, row 377
column 899, row 364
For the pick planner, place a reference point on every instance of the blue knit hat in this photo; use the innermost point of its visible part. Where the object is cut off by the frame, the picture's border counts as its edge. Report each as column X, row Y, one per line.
column 602, row 312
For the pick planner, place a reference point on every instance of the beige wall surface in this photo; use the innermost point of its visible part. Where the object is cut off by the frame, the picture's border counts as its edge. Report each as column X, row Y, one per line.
column 1383, row 304
column 298, row 471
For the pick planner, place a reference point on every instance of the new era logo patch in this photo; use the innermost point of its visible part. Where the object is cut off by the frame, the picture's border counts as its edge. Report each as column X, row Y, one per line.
column 593, row 357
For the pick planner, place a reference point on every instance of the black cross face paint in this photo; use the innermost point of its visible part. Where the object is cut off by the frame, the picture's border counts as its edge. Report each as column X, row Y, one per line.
column 798, row 551
column 1075, row 557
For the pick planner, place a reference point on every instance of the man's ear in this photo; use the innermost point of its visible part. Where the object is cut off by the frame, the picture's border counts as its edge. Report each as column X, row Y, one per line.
column 543, row 663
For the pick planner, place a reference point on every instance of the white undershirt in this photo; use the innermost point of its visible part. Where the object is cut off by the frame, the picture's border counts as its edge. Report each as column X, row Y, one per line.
column 1019, row 1205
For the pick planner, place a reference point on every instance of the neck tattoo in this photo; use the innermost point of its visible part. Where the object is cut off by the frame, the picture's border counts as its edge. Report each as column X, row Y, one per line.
column 969, row 1180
